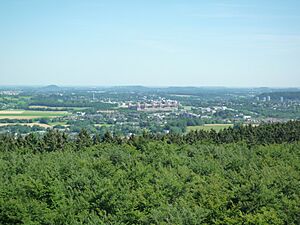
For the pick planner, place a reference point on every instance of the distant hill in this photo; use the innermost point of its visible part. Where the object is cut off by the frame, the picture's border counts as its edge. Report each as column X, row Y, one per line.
column 52, row 86
column 287, row 95
column 49, row 88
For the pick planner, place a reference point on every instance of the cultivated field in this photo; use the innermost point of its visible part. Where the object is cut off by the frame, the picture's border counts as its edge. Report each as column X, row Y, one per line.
column 102, row 125
column 56, row 108
column 30, row 114
column 215, row 127
column 26, row 124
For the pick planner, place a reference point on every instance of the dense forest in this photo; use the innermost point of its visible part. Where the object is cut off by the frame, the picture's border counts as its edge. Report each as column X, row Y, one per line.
column 240, row 175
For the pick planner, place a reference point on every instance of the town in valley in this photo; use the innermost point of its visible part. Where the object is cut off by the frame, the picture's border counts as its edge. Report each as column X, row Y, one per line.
column 132, row 110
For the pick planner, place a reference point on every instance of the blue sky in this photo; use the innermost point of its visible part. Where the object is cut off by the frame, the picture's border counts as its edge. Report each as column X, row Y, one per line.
column 154, row 43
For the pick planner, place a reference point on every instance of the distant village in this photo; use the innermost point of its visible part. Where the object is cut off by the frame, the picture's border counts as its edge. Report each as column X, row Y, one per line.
column 163, row 105
column 131, row 112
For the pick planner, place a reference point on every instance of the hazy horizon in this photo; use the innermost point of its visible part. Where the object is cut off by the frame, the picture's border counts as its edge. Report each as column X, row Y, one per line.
column 154, row 43
column 149, row 86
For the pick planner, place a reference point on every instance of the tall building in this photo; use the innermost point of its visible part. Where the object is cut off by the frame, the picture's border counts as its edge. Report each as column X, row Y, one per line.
column 269, row 98
column 281, row 99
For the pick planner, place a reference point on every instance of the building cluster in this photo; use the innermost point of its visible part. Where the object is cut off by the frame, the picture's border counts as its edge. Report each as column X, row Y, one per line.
column 267, row 99
column 264, row 99
column 9, row 92
column 164, row 105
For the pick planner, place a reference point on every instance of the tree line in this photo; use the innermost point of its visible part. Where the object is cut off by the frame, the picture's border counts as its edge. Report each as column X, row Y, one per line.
column 53, row 140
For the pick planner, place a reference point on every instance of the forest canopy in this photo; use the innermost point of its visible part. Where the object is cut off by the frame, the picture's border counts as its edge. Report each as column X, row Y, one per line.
column 252, row 177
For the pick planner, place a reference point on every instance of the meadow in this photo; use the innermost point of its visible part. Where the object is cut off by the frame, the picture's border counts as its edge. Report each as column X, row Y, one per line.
column 216, row 127
column 56, row 108
column 30, row 114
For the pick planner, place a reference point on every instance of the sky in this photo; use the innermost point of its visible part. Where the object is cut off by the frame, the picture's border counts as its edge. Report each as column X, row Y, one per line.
column 237, row 43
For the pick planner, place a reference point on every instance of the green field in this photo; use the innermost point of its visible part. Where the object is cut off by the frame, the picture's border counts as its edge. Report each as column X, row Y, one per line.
column 187, row 107
column 58, row 124
column 30, row 114
column 102, row 125
column 215, row 127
